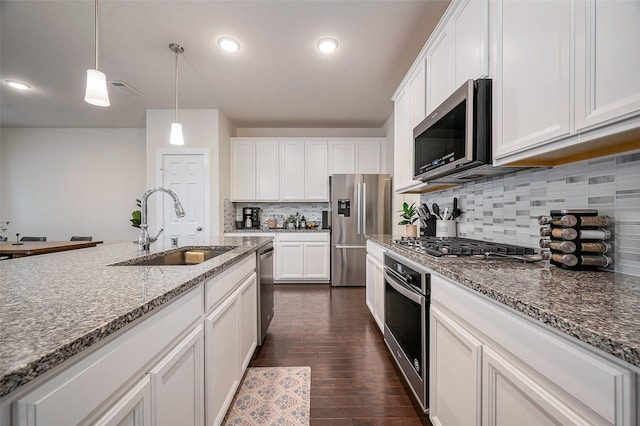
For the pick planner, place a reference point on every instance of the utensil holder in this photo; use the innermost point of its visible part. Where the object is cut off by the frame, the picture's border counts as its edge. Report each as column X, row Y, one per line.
column 446, row 228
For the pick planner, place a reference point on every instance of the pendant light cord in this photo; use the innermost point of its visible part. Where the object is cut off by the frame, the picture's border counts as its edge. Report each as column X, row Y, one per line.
column 176, row 86
column 96, row 31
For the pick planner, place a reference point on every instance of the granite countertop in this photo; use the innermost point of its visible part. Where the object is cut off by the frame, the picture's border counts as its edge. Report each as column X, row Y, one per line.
column 597, row 307
column 53, row 306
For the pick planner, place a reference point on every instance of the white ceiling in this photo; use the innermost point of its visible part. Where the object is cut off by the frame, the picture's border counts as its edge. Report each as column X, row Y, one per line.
column 277, row 79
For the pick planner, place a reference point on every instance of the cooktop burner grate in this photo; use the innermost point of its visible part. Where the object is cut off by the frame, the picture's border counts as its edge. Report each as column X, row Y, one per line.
column 459, row 247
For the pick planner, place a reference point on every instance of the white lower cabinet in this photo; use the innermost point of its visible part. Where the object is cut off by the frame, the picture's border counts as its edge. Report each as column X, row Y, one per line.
column 493, row 367
column 222, row 363
column 177, row 384
column 180, row 366
column 375, row 283
column 511, row 397
column 454, row 373
column 133, row 409
column 302, row 256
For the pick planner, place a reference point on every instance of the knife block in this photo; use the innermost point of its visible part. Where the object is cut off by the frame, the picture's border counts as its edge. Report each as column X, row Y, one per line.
column 428, row 227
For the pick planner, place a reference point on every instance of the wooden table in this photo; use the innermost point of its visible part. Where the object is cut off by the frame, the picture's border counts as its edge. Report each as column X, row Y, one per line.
column 30, row 248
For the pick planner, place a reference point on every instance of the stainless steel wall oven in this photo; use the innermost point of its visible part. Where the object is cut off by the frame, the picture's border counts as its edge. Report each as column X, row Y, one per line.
column 406, row 328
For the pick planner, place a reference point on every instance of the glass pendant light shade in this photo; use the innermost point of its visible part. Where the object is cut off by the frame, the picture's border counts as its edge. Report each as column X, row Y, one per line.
column 96, row 93
column 176, row 134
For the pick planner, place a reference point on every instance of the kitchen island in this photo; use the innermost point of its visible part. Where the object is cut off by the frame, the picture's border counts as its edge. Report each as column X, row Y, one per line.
column 58, row 308
column 522, row 341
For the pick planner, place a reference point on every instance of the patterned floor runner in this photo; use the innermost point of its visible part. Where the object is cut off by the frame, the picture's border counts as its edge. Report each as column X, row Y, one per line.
column 272, row 396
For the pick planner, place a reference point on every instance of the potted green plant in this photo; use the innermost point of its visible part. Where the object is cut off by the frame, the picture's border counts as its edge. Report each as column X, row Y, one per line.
column 409, row 216
column 136, row 215
column 290, row 221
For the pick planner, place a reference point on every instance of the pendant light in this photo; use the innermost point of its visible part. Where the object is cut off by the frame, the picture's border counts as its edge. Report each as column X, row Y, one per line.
column 176, row 128
column 96, row 93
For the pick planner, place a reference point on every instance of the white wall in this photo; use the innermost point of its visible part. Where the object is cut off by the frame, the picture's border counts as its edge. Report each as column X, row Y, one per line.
column 63, row 182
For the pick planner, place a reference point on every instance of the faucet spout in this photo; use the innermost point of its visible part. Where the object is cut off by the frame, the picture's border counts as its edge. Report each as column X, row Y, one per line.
column 144, row 240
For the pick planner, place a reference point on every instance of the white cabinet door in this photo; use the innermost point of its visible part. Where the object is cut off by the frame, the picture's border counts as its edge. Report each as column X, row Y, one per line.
column 292, row 170
column 607, row 61
column 439, row 74
column 177, row 384
column 470, row 28
column 375, row 290
column 222, row 364
column 368, row 158
column 289, row 258
column 455, row 365
column 402, row 156
column 316, row 171
column 511, row 397
column 316, row 261
column 267, row 176
column 342, row 157
column 531, row 73
column 248, row 314
column 133, row 409
column 243, row 170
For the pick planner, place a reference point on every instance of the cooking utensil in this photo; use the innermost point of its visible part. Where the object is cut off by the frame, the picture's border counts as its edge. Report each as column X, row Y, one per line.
column 446, row 215
column 436, row 210
column 456, row 212
column 427, row 211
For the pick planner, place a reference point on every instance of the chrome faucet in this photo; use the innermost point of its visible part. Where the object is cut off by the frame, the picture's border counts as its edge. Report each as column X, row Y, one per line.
column 144, row 240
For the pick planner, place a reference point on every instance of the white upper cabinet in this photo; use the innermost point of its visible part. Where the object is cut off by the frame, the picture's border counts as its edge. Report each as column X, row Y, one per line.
column 316, row 171
column 359, row 155
column 342, row 157
column 254, row 170
column 243, row 170
column 296, row 169
column 439, row 69
column 531, row 73
column 267, row 170
column 607, row 61
column 292, row 171
column 409, row 111
column 469, row 26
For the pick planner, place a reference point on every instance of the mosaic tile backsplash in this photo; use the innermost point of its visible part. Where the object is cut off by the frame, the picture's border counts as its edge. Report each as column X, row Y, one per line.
column 506, row 208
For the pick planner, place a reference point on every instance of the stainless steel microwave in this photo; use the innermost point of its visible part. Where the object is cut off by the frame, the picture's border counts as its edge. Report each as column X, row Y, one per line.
column 456, row 136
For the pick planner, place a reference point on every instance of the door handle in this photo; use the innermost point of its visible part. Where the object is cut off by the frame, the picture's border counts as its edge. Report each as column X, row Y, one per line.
column 364, row 208
column 199, row 228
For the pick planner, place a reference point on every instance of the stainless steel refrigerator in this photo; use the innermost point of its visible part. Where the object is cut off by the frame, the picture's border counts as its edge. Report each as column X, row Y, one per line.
column 360, row 205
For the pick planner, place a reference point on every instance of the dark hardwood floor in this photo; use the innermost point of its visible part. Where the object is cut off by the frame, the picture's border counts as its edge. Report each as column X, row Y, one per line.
column 353, row 378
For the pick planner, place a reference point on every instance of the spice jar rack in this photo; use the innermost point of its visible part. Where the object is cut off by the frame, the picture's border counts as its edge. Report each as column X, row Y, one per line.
column 577, row 239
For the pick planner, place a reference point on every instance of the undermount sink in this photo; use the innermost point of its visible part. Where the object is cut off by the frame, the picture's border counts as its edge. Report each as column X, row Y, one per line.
column 183, row 256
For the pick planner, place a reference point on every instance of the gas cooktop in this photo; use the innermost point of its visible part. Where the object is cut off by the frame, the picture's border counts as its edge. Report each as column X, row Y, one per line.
column 459, row 247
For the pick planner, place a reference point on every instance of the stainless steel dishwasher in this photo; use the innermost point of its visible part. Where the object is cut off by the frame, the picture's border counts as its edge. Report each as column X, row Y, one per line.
column 265, row 290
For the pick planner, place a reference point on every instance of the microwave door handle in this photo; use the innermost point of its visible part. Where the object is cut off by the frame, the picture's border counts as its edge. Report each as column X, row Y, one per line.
column 358, row 212
column 364, row 208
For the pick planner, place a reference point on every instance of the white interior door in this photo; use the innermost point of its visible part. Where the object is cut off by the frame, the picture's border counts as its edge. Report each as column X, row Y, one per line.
column 184, row 174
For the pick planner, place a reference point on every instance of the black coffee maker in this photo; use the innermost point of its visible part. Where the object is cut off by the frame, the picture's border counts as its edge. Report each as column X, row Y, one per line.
column 251, row 217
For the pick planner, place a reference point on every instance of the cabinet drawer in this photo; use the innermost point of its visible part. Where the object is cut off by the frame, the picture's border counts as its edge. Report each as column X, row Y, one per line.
column 92, row 382
column 376, row 251
column 218, row 287
column 578, row 372
column 302, row 237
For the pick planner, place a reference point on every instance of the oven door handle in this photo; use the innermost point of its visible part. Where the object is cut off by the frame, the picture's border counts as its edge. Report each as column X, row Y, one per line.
column 413, row 296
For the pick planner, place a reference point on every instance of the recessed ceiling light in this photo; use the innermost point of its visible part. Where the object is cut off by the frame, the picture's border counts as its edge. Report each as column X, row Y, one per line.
column 229, row 44
column 18, row 85
column 327, row 45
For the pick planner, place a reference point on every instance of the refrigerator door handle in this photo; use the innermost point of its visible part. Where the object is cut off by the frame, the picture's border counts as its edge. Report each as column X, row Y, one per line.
column 364, row 208
column 358, row 208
